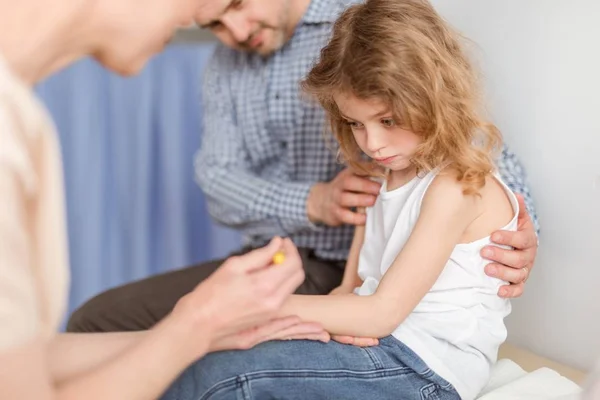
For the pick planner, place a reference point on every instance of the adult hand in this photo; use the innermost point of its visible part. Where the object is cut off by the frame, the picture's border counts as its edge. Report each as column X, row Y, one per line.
column 330, row 203
column 513, row 266
column 244, row 293
column 286, row 328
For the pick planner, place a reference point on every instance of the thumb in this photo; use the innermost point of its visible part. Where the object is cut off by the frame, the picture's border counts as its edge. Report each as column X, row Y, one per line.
column 262, row 257
column 522, row 207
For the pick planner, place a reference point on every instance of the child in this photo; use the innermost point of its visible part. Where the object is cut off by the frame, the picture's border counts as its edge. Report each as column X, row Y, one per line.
column 399, row 90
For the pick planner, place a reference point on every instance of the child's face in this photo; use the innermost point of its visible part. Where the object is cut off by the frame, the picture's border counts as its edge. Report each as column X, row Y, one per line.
column 377, row 133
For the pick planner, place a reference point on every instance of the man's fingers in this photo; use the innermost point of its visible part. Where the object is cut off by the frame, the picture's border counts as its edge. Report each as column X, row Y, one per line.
column 352, row 199
column 360, row 184
column 523, row 215
column 511, row 291
column 292, row 261
column 289, row 248
column 283, row 279
column 508, row 274
column 522, row 239
column 347, row 216
column 510, row 258
column 259, row 258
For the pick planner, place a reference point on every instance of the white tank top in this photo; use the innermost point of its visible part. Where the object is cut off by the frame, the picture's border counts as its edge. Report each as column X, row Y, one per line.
column 458, row 326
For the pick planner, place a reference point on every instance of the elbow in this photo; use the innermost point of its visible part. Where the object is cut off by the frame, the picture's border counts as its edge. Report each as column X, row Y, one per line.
column 388, row 318
column 206, row 180
column 383, row 328
column 203, row 168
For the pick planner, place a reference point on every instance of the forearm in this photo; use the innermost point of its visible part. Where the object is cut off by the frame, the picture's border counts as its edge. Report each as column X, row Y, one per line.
column 349, row 314
column 72, row 354
column 250, row 203
column 351, row 278
column 237, row 195
column 135, row 367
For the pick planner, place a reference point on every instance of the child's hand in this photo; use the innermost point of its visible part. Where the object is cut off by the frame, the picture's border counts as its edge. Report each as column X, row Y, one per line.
column 356, row 341
column 352, row 340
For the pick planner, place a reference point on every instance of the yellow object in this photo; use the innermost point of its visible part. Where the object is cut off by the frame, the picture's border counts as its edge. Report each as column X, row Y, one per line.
column 278, row 258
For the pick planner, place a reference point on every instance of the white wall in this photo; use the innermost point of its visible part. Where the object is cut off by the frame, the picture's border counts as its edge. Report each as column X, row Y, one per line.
column 541, row 60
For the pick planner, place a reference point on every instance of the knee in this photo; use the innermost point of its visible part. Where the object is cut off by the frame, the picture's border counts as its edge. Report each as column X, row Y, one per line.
column 216, row 375
column 102, row 313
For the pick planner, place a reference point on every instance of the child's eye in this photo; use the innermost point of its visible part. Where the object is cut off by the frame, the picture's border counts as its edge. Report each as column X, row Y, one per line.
column 388, row 122
column 353, row 125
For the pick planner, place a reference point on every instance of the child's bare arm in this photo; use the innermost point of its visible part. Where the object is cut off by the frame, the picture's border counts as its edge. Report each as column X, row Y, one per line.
column 445, row 214
column 351, row 279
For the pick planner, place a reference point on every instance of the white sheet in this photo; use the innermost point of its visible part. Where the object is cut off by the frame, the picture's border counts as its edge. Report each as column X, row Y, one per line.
column 511, row 382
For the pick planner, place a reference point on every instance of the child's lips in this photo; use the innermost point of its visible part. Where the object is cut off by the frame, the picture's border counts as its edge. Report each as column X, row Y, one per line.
column 385, row 160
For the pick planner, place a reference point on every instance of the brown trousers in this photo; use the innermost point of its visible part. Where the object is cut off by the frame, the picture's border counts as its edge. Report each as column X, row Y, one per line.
column 140, row 305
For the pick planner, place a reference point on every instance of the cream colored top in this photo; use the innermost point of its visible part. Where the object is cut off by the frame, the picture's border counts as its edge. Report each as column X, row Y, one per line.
column 33, row 244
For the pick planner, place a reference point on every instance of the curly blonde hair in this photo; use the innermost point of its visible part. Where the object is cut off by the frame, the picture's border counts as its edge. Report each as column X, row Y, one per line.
column 403, row 53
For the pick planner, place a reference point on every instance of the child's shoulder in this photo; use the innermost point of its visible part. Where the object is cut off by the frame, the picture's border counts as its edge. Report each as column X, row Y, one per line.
column 485, row 211
column 446, row 183
column 446, row 194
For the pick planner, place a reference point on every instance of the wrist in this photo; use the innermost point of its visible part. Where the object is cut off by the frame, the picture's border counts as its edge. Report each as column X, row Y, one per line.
column 313, row 201
column 191, row 334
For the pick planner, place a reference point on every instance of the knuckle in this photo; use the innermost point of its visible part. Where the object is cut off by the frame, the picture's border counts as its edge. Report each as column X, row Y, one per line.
column 338, row 213
column 501, row 273
column 499, row 237
column 271, row 304
column 344, row 198
column 498, row 256
column 336, row 193
column 517, row 292
column 523, row 259
column 531, row 241
column 231, row 262
column 262, row 287
column 246, row 343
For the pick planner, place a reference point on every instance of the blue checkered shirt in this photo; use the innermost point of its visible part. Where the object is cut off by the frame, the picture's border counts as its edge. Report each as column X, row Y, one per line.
column 263, row 143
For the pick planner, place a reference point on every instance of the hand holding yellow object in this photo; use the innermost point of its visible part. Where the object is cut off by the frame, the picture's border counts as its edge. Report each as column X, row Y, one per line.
column 278, row 258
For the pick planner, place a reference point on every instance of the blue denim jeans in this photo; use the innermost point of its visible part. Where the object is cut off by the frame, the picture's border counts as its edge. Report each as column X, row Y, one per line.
column 308, row 370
